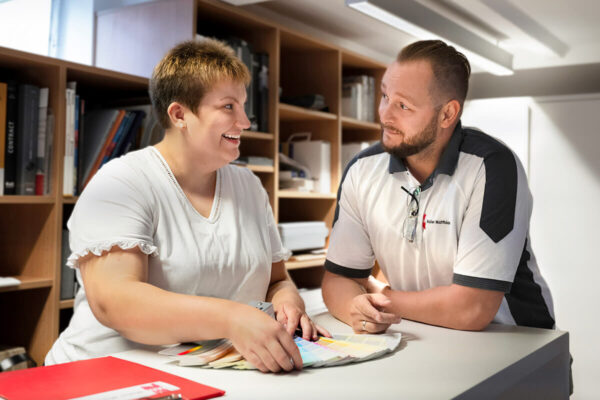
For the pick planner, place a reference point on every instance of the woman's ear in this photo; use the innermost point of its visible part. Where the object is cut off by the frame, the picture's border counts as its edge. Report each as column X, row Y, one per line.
column 176, row 113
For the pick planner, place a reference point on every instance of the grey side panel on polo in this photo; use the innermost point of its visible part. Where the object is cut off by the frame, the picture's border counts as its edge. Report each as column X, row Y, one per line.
column 373, row 150
column 500, row 197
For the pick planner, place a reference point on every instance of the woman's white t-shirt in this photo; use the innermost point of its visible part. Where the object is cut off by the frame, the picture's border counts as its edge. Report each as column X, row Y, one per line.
column 136, row 201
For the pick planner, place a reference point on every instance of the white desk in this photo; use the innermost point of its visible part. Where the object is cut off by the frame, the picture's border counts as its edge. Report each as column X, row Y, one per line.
column 431, row 363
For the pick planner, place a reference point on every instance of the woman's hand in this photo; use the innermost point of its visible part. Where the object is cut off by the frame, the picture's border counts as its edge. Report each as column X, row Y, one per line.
column 292, row 317
column 263, row 341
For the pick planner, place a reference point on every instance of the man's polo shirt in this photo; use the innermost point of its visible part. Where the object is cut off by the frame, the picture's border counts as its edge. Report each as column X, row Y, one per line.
column 472, row 225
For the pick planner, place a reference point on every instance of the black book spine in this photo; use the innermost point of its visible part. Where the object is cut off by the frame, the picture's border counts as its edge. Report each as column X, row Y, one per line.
column 28, row 114
column 10, row 160
column 80, row 144
column 262, row 83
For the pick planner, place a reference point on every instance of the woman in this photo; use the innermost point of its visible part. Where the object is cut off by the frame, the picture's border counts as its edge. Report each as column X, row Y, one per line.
column 171, row 242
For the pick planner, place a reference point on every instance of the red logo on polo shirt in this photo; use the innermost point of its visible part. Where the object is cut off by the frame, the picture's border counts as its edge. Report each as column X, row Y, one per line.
column 424, row 221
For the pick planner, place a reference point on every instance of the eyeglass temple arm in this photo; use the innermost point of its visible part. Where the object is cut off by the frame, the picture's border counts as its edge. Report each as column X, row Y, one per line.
column 411, row 195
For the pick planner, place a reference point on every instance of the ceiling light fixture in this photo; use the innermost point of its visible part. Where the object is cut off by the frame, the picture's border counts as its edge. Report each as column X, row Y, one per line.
column 424, row 23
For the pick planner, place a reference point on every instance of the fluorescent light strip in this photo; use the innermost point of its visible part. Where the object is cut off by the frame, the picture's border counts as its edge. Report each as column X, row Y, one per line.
column 424, row 34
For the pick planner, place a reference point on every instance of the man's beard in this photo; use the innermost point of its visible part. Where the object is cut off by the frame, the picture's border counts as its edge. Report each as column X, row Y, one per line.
column 418, row 143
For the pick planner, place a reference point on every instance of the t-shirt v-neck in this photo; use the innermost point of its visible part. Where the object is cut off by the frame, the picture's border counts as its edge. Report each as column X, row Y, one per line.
column 216, row 203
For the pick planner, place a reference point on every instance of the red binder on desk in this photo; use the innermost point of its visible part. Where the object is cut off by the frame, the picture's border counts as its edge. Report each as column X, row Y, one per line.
column 91, row 379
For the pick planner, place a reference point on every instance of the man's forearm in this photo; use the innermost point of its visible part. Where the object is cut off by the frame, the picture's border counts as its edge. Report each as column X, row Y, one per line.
column 338, row 293
column 453, row 306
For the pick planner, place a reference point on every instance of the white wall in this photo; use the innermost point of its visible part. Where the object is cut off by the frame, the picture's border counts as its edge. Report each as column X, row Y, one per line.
column 75, row 31
column 559, row 138
column 25, row 25
column 506, row 119
column 565, row 182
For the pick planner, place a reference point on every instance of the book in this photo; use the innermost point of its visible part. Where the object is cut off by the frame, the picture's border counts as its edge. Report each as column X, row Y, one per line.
column 48, row 151
column 75, row 144
column 129, row 141
column 67, row 274
column 41, row 142
column 69, row 163
column 119, row 137
column 358, row 97
column 80, row 144
column 3, row 93
column 243, row 51
column 28, row 117
column 98, row 124
column 262, row 92
column 99, row 378
column 98, row 161
column 10, row 149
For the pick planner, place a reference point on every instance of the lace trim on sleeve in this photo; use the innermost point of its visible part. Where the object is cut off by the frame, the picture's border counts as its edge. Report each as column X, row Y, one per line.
column 282, row 255
column 98, row 249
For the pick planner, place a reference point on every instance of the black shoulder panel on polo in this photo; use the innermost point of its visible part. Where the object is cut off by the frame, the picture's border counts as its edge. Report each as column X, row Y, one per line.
column 373, row 150
column 525, row 300
column 345, row 271
column 500, row 196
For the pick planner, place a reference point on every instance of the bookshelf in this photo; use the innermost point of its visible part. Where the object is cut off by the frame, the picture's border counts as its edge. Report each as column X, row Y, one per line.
column 31, row 226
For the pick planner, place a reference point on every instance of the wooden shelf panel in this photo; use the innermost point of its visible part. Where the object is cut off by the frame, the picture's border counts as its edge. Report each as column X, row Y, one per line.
column 257, row 135
column 70, row 199
column 269, row 169
column 28, row 282
column 352, row 123
column 9, row 199
column 355, row 60
column 295, row 194
column 69, row 303
column 288, row 112
column 305, row 264
column 261, row 168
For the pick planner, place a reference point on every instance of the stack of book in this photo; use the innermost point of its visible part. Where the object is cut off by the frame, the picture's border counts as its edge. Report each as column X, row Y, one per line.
column 95, row 137
column 358, row 97
column 257, row 103
column 26, row 137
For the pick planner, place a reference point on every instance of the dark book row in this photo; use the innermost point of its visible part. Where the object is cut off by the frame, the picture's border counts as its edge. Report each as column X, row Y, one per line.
column 257, row 103
column 95, row 136
column 26, row 139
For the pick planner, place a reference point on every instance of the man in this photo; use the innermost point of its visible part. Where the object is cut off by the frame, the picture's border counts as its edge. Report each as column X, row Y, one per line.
column 443, row 209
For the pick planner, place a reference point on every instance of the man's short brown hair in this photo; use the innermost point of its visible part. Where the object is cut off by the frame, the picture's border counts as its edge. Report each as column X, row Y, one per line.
column 188, row 71
column 451, row 69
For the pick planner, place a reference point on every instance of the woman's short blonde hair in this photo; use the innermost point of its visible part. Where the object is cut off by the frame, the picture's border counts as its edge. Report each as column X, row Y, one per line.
column 188, row 71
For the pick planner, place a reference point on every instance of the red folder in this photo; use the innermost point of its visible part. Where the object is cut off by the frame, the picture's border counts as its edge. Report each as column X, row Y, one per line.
column 97, row 375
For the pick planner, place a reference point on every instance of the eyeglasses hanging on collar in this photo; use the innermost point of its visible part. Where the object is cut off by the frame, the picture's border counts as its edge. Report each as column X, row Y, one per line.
column 409, row 229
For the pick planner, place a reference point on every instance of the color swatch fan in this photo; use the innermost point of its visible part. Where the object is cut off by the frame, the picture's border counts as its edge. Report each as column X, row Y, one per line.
column 325, row 352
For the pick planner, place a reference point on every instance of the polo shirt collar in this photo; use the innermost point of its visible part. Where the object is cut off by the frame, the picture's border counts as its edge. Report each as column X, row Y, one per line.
column 448, row 161
column 449, row 158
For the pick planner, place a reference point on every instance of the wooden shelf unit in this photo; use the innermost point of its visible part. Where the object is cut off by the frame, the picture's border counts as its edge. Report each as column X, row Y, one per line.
column 28, row 282
column 296, row 194
column 65, row 304
column 304, row 264
column 31, row 226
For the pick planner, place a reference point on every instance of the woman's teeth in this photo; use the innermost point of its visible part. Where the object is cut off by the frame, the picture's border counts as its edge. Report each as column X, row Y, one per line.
column 232, row 137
